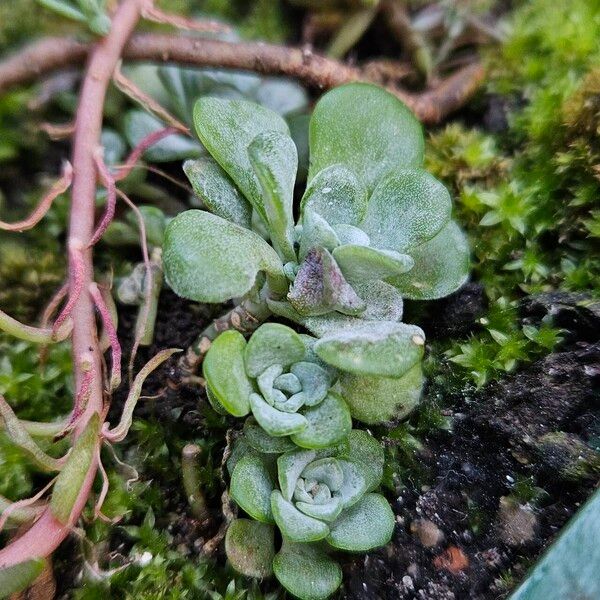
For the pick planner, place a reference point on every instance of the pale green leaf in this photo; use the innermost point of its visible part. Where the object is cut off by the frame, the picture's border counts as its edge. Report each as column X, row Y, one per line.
column 289, row 468
column 226, row 128
column 363, row 263
column 367, row 130
column 366, row 525
column 251, row 486
column 316, row 231
column 366, row 451
column 374, row 400
column 276, row 422
column 441, row 266
column 328, row 424
column 295, row 526
column 384, row 348
column 336, row 194
column 209, row 259
column 306, row 571
column 216, row 190
column 328, row 512
column 225, row 373
column 274, row 158
column 384, row 302
column 406, row 209
column 262, row 442
column 250, row 547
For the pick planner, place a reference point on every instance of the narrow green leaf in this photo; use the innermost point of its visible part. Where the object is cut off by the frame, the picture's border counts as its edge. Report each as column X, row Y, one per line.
column 382, row 348
column 328, row 424
column 441, row 266
column 209, row 259
column 224, row 371
column 366, row 525
column 306, row 571
column 295, row 526
column 16, row 578
column 251, row 486
column 250, row 547
column 406, row 209
column 336, row 194
column 374, row 399
column 273, row 344
column 367, row 130
column 226, row 128
column 70, row 480
column 214, row 187
column 274, row 158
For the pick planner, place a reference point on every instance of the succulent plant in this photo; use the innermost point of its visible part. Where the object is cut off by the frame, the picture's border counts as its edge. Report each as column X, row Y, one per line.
column 320, row 500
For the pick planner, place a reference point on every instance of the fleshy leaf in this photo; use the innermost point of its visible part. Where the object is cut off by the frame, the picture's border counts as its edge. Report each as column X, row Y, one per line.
column 355, row 482
column 349, row 234
column 383, row 348
column 315, row 381
column 320, row 287
column 306, row 571
column 273, row 344
column 384, row 302
column 363, row 263
column 138, row 124
column 365, row 129
column 16, row 578
column 226, row 128
column 316, row 231
column 325, row 470
column 289, row 467
column 327, row 512
column 274, row 158
column 365, row 450
column 374, row 400
column 276, row 422
column 264, row 443
column 441, row 266
column 225, row 373
column 214, row 187
column 215, row 402
column 336, row 194
column 250, row 547
column 251, row 486
column 209, row 259
column 366, row 525
column 295, row 525
column 407, row 209
column 328, row 423
column 70, row 480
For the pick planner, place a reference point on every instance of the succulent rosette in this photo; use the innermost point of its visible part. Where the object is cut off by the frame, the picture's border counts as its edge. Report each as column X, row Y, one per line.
column 320, row 500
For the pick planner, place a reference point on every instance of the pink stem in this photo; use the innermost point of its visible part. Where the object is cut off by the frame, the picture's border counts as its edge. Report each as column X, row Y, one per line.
column 47, row 533
column 61, row 186
column 77, row 270
column 111, row 197
column 145, row 143
column 111, row 332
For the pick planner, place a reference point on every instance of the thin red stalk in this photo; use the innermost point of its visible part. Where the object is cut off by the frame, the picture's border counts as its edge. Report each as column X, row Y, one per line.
column 145, row 143
column 76, row 281
column 59, row 187
column 108, row 182
column 47, row 533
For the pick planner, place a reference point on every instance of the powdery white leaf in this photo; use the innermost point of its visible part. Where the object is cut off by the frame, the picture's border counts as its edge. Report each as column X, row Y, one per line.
column 295, row 526
column 363, row 263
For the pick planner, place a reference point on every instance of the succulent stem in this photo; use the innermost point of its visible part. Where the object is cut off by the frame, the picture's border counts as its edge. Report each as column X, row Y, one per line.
column 190, row 469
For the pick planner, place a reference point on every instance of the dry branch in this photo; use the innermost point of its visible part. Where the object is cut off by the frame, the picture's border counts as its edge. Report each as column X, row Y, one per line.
column 51, row 54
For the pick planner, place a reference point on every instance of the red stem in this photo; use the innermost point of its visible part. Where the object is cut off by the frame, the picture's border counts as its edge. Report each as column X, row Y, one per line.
column 47, row 533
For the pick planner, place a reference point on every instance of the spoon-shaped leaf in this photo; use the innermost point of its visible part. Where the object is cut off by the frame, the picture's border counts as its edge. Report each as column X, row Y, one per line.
column 209, row 259
column 226, row 128
column 225, row 373
column 214, row 187
column 336, row 194
column 306, row 571
column 276, row 422
column 375, row 400
column 386, row 348
column 273, row 344
column 295, row 525
column 328, row 424
column 407, row 208
column 366, row 525
column 441, row 266
column 365, row 129
column 250, row 547
column 363, row 263
column 251, row 486
column 275, row 160
column 289, row 467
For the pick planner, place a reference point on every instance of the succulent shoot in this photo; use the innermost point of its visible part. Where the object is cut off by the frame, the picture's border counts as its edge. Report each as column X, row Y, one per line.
column 320, row 500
